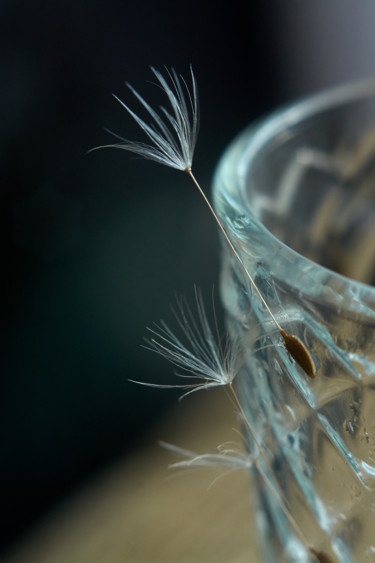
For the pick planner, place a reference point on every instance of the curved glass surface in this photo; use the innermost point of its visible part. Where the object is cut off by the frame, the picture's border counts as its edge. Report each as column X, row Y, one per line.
column 296, row 194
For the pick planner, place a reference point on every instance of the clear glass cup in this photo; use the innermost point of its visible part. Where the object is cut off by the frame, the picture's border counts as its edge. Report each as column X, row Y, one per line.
column 296, row 194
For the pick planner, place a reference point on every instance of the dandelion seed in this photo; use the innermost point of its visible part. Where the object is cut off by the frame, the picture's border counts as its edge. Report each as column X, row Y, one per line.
column 174, row 137
column 299, row 353
column 226, row 458
column 204, row 358
column 173, row 140
column 233, row 459
column 214, row 366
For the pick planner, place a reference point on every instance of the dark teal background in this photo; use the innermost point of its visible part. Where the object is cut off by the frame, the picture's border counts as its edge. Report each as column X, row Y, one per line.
column 94, row 245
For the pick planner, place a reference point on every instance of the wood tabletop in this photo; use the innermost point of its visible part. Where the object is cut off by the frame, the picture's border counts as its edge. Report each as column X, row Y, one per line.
column 141, row 511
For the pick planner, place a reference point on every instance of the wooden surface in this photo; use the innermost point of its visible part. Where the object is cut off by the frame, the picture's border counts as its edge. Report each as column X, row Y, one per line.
column 139, row 511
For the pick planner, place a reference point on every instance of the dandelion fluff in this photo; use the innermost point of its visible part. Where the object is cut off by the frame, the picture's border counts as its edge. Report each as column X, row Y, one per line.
column 202, row 357
column 174, row 137
column 226, row 458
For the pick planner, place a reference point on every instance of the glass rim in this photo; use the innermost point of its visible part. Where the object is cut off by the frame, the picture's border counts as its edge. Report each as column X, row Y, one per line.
column 232, row 171
column 298, row 110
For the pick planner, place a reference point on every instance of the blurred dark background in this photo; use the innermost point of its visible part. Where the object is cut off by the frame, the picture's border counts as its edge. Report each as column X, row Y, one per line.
column 94, row 246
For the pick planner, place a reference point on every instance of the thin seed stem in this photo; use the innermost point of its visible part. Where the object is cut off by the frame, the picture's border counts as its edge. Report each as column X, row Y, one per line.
column 276, row 491
column 189, row 171
column 292, row 344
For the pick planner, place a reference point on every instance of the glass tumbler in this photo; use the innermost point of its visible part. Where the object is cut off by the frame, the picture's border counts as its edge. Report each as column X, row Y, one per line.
column 296, row 194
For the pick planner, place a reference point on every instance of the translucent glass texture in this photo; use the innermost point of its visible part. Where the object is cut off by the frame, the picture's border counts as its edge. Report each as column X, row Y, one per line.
column 296, row 194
